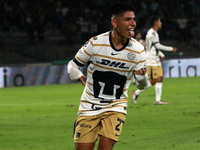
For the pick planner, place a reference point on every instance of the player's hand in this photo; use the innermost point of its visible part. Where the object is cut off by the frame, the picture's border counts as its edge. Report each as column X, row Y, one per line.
column 81, row 79
column 140, row 72
column 162, row 58
column 175, row 49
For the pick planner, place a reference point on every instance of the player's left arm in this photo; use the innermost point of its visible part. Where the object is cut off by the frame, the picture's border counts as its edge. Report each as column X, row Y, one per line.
column 75, row 73
column 140, row 73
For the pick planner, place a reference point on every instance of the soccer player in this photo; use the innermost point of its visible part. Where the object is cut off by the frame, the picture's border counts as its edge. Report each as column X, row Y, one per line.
column 154, row 67
column 113, row 58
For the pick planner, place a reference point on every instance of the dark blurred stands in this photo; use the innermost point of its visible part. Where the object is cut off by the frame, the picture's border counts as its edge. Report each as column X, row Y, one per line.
column 53, row 30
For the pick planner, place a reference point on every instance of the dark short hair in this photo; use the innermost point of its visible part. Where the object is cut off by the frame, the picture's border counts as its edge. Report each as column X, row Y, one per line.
column 153, row 19
column 121, row 7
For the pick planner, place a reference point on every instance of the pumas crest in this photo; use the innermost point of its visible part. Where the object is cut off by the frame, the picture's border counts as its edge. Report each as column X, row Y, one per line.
column 131, row 56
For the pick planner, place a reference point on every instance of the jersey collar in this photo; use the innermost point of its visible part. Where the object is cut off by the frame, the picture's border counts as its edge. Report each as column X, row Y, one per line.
column 112, row 45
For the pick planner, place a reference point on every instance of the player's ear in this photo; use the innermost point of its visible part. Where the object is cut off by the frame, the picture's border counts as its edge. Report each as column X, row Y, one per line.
column 114, row 23
column 155, row 22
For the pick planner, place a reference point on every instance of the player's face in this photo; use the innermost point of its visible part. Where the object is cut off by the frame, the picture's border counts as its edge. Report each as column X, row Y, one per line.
column 159, row 23
column 125, row 24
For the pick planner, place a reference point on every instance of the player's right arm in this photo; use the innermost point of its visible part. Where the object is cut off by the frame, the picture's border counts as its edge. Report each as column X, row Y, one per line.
column 175, row 49
column 81, row 58
column 165, row 48
column 162, row 47
column 74, row 72
column 161, row 55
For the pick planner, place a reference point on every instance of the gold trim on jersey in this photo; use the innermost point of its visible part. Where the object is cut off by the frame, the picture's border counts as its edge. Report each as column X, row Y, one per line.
column 128, row 79
column 125, row 89
column 134, row 50
column 142, row 61
column 80, row 59
column 132, row 40
column 86, row 51
column 90, row 72
column 106, row 34
column 108, row 45
column 89, row 93
column 90, row 83
column 121, row 100
column 102, row 108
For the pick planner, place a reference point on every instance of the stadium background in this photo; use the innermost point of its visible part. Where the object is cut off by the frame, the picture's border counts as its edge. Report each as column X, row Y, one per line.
column 36, row 41
column 48, row 33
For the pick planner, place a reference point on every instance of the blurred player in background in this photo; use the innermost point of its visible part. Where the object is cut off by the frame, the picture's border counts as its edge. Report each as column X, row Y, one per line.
column 161, row 57
column 154, row 67
column 114, row 58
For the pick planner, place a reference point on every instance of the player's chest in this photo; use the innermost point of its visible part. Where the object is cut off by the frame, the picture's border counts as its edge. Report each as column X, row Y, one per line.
column 109, row 57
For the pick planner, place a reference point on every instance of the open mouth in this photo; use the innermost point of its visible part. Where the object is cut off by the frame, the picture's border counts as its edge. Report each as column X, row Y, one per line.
column 131, row 31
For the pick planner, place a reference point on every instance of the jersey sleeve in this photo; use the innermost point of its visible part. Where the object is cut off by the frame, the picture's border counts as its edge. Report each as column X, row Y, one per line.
column 162, row 47
column 84, row 54
column 141, row 79
column 142, row 62
column 141, row 59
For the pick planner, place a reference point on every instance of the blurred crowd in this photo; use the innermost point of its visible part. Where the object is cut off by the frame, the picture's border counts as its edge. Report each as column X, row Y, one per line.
column 83, row 19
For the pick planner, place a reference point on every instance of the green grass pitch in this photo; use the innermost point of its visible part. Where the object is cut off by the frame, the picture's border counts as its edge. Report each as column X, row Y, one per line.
column 42, row 117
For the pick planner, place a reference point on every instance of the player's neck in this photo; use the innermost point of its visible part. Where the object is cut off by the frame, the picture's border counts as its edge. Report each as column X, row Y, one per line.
column 155, row 28
column 117, row 41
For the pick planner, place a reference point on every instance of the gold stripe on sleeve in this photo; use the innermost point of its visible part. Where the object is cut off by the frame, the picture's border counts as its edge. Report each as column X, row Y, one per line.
column 80, row 59
column 107, row 45
column 134, row 51
column 90, row 72
column 132, row 40
column 142, row 61
column 90, row 83
column 125, row 89
column 89, row 93
column 86, row 51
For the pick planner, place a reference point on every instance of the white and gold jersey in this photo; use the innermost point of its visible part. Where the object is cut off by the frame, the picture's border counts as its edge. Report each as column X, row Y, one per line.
column 109, row 73
column 152, row 51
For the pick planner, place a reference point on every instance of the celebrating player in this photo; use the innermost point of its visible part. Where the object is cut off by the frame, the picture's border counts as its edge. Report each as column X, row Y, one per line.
column 114, row 57
column 154, row 67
